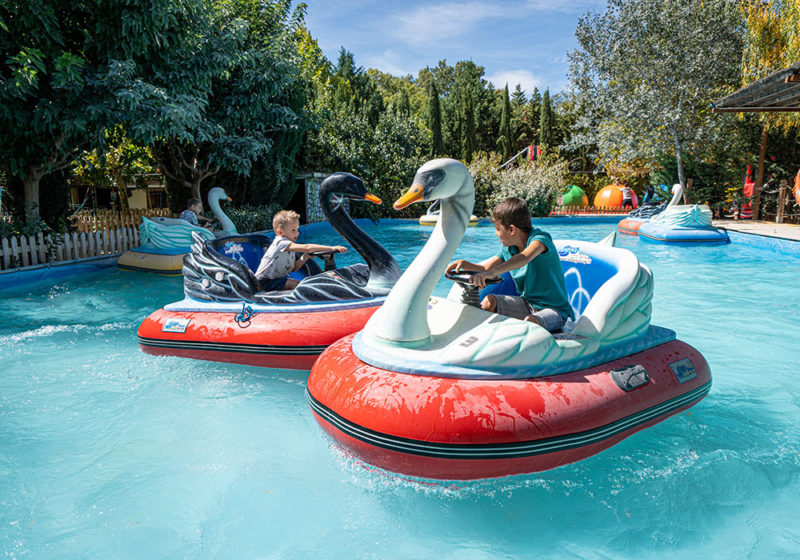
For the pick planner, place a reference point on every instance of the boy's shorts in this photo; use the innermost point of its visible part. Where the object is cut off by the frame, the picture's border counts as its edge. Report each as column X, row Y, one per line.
column 519, row 308
column 272, row 284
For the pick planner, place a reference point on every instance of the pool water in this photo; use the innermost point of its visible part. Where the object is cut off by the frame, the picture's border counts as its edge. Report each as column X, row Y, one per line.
column 106, row 452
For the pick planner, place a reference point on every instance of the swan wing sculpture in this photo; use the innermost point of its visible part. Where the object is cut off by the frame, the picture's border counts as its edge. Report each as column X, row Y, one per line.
column 210, row 276
column 169, row 233
column 215, row 195
column 686, row 215
column 413, row 328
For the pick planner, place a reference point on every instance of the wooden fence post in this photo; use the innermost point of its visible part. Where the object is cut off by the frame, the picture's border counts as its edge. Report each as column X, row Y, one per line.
column 781, row 201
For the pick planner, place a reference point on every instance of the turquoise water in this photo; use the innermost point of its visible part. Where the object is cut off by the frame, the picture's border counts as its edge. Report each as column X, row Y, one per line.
column 106, row 452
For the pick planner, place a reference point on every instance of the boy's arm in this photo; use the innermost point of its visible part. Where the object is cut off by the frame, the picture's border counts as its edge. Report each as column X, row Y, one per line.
column 519, row 260
column 314, row 248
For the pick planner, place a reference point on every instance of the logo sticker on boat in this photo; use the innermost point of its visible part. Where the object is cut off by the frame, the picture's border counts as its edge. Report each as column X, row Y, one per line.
column 175, row 325
column 683, row 370
column 232, row 247
column 574, row 254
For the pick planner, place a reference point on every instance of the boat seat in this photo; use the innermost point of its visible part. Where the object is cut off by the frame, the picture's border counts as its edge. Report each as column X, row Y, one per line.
column 608, row 288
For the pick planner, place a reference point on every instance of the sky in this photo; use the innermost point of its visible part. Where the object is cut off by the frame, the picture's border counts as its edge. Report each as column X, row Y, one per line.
column 523, row 42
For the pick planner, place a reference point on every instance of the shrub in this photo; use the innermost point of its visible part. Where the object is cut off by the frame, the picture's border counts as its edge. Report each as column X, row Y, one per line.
column 249, row 218
column 538, row 184
column 485, row 171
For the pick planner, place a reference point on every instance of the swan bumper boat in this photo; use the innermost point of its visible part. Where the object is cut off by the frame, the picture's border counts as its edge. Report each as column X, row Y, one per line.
column 684, row 224
column 224, row 317
column 439, row 388
column 163, row 242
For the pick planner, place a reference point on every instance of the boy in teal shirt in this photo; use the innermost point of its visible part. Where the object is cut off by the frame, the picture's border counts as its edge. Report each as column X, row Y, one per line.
column 532, row 259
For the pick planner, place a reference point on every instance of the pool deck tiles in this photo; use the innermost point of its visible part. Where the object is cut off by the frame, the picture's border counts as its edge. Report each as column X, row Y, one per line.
column 767, row 229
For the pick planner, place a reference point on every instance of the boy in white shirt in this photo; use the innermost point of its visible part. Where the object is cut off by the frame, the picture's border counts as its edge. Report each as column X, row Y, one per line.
column 279, row 259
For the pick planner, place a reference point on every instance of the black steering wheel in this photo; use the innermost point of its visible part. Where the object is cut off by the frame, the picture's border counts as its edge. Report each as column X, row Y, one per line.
column 470, row 292
column 327, row 257
column 465, row 277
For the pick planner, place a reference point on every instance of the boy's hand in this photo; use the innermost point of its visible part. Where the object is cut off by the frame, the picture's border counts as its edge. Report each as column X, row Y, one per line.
column 339, row 249
column 479, row 279
column 455, row 266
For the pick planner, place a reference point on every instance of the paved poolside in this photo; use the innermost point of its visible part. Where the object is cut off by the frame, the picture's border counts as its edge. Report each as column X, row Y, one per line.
column 768, row 229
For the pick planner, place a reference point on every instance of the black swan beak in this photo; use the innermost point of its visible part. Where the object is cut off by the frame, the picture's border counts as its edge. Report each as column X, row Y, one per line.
column 372, row 198
column 414, row 194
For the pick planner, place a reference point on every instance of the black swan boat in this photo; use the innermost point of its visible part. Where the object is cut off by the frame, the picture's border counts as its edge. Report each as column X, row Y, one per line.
column 225, row 317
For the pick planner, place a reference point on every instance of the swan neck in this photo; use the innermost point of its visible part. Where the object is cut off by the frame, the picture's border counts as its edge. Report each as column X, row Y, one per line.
column 404, row 316
column 224, row 220
column 377, row 258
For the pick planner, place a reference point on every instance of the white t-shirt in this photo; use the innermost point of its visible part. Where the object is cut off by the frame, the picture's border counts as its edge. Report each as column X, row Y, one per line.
column 626, row 192
column 277, row 261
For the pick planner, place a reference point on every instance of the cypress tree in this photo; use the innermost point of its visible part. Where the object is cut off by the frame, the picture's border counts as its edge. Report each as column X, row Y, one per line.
column 546, row 121
column 435, row 115
column 468, row 139
column 403, row 104
column 504, row 141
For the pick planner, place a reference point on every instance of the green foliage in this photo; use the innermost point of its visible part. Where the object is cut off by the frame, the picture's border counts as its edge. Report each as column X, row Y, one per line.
column 538, row 184
column 385, row 156
column 546, row 137
column 435, row 120
column 505, row 141
column 485, row 171
column 645, row 73
column 250, row 218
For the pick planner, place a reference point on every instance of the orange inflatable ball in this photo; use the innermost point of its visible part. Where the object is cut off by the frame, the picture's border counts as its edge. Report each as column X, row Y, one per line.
column 610, row 196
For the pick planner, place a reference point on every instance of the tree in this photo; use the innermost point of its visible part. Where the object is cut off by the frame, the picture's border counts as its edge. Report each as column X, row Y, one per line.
column 435, row 120
column 771, row 43
column 52, row 99
column 645, row 73
column 225, row 96
column 468, row 140
column 546, row 121
column 505, row 140
column 122, row 162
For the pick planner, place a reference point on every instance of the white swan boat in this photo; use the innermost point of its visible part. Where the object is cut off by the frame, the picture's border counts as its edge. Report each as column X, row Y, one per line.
column 437, row 388
column 163, row 242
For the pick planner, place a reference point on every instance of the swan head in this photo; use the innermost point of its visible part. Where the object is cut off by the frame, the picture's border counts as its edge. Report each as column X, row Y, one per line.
column 218, row 193
column 339, row 186
column 438, row 179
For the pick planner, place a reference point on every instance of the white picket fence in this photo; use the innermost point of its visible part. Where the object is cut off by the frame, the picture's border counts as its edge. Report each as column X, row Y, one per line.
column 32, row 250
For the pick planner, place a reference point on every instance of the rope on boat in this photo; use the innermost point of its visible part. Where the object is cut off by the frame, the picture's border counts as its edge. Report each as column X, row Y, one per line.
column 242, row 318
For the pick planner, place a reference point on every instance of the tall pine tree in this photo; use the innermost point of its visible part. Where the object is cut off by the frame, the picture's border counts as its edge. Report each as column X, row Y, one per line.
column 505, row 140
column 435, row 120
column 546, row 138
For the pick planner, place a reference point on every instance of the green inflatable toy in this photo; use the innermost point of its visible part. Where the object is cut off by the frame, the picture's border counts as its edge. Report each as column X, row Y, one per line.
column 575, row 197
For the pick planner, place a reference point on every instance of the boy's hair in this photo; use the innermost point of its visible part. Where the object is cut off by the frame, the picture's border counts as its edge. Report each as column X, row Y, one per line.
column 513, row 212
column 192, row 202
column 284, row 218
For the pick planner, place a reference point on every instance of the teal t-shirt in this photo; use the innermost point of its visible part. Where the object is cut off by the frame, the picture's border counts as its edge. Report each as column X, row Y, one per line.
column 541, row 281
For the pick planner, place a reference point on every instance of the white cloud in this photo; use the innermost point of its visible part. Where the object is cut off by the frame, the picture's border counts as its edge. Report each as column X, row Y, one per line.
column 388, row 62
column 525, row 78
column 432, row 24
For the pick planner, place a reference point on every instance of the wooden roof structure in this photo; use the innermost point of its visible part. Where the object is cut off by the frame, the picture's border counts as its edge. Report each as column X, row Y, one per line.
column 778, row 92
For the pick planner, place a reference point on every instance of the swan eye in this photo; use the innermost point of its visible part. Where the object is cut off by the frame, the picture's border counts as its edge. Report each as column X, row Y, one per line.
column 429, row 179
column 337, row 200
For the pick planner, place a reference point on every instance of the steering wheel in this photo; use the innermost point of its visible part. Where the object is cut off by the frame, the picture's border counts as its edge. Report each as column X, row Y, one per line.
column 465, row 277
column 470, row 292
column 327, row 256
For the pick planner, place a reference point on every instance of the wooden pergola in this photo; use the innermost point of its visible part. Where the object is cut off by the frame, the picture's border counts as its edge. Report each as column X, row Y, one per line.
column 777, row 93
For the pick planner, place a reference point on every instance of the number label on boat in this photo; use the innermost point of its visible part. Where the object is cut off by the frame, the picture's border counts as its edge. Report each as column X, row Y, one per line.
column 683, row 370
column 175, row 325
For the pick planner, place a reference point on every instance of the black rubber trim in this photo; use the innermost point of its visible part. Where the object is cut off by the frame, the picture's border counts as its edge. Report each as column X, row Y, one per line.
column 504, row 450
column 232, row 347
